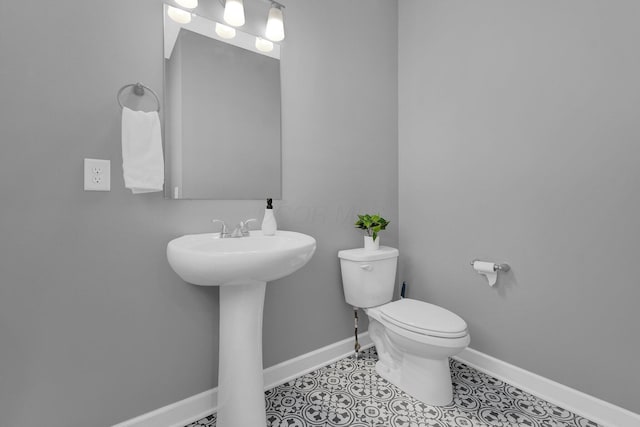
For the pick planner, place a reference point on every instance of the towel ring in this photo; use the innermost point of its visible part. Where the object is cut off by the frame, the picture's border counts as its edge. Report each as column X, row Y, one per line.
column 138, row 89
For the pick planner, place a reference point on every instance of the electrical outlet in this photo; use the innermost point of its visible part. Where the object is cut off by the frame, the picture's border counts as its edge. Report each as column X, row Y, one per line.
column 97, row 175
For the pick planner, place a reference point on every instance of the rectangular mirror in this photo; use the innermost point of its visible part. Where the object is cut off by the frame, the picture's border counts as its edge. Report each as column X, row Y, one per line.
column 222, row 115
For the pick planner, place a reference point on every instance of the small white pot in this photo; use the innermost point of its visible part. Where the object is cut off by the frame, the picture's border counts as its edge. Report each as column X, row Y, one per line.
column 370, row 244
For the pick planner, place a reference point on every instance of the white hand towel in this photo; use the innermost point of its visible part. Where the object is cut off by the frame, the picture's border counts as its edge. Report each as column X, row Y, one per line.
column 142, row 159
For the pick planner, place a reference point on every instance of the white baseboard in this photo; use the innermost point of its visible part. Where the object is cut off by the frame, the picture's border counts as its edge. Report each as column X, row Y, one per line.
column 599, row 411
column 199, row 406
column 293, row 368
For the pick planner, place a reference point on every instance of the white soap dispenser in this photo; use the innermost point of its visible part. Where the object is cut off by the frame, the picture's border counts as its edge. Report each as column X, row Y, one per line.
column 269, row 225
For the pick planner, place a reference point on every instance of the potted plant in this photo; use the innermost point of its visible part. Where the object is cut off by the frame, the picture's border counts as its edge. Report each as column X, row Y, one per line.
column 372, row 224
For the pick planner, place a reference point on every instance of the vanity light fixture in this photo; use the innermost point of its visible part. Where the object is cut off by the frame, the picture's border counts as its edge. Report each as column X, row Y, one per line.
column 275, row 23
column 225, row 31
column 179, row 15
column 263, row 45
column 234, row 13
column 188, row 4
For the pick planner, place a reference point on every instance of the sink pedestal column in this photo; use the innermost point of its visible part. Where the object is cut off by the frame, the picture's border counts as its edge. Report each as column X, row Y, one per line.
column 240, row 379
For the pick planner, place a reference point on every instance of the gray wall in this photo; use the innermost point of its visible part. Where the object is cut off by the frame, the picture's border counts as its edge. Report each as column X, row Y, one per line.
column 519, row 142
column 94, row 326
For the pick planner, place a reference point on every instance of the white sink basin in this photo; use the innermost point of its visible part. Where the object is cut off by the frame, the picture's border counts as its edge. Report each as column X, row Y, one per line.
column 207, row 260
column 241, row 267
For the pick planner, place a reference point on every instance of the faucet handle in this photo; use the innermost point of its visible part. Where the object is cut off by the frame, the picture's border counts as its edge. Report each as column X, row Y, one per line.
column 223, row 230
column 244, row 226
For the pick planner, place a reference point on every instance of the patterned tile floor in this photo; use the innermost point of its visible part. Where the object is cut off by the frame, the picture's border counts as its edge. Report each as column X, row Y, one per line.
column 351, row 393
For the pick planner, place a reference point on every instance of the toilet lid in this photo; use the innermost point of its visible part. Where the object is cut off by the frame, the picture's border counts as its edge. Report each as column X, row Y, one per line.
column 424, row 318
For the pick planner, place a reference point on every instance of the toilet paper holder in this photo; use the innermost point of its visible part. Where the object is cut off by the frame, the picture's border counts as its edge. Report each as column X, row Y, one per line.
column 496, row 267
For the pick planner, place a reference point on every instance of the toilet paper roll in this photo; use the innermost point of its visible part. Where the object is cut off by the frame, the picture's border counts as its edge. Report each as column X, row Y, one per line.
column 486, row 269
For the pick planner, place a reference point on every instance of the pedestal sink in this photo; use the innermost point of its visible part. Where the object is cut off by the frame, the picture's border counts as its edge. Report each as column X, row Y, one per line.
column 241, row 267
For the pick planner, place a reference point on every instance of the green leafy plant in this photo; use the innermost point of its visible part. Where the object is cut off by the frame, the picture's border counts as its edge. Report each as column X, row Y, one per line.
column 372, row 224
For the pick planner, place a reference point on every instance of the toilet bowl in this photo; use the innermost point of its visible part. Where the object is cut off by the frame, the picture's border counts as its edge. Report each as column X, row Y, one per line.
column 414, row 339
column 415, row 357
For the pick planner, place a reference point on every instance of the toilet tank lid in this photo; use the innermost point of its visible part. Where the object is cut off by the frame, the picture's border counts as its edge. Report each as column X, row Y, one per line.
column 360, row 254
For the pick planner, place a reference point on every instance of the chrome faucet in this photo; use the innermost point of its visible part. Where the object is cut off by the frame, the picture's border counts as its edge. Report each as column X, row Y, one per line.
column 224, row 233
column 244, row 227
column 237, row 232
column 241, row 230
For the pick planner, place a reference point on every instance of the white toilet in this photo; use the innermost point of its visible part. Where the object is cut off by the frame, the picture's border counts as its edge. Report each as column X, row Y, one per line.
column 414, row 339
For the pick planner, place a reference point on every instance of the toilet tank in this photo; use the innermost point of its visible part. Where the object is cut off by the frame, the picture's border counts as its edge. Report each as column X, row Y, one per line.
column 368, row 277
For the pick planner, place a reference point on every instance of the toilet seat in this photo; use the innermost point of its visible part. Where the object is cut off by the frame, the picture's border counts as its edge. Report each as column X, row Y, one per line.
column 423, row 318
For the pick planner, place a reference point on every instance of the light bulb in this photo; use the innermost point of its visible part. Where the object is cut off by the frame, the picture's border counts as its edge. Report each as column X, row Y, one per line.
column 189, row 4
column 263, row 45
column 275, row 24
column 179, row 15
column 234, row 13
column 225, row 31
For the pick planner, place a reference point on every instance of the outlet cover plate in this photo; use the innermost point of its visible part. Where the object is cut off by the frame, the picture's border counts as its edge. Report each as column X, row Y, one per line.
column 97, row 175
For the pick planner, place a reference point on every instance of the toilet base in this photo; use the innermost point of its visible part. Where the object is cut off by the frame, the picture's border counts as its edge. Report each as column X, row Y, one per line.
column 426, row 380
column 418, row 368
